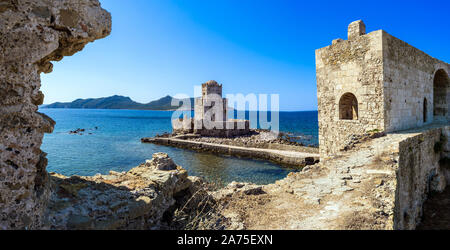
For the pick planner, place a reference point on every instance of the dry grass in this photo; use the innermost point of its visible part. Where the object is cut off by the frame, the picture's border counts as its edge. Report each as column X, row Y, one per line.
column 201, row 211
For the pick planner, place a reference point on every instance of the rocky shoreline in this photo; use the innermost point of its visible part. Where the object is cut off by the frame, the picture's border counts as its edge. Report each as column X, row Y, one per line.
column 356, row 190
column 157, row 195
column 146, row 197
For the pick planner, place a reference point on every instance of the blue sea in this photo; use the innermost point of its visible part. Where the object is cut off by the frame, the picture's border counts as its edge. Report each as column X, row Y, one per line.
column 112, row 142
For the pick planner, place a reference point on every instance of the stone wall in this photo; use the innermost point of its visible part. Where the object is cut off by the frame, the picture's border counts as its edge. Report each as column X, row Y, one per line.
column 376, row 82
column 419, row 172
column 408, row 81
column 353, row 66
column 211, row 98
column 33, row 33
column 228, row 128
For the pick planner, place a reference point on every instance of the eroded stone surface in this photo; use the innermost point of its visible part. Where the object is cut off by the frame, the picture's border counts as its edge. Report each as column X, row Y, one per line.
column 33, row 33
column 137, row 199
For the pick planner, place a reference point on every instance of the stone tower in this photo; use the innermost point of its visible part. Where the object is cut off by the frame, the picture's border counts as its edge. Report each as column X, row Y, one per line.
column 211, row 96
column 376, row 82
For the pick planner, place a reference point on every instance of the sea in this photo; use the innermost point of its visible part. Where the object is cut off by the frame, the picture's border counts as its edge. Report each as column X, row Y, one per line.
column 111, row 141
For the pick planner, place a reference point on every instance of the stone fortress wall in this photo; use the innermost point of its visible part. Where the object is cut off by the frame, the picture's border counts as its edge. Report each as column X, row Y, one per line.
column 416, row 86
column 351, row 70
column 33, row 33
column 420, row 172
column 376, row 82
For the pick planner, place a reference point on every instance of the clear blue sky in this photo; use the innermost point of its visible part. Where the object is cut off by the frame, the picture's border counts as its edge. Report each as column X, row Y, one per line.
column 161, row 47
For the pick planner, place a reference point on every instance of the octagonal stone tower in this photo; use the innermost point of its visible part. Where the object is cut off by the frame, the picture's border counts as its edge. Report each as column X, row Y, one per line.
column 211, row 95
column 376, row 82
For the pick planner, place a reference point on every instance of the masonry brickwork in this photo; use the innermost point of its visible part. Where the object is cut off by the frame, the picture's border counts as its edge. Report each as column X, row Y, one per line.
column 376, row 82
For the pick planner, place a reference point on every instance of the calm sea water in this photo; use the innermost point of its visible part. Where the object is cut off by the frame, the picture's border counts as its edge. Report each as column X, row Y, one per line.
column 115, row 145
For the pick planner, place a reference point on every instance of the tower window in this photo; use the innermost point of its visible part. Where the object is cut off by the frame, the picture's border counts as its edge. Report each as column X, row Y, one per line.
column 348, row 107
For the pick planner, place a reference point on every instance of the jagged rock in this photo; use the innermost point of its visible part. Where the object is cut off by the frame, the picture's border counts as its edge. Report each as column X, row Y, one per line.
column 161, row 161
column 137, row 199
column 32, row 34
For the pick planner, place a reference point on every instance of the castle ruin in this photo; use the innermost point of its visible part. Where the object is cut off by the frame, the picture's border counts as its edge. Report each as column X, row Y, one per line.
column 370, row 82
column 211, row 115
column 376, row 82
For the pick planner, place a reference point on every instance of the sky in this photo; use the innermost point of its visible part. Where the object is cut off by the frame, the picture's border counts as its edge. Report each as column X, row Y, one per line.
column 166, row 47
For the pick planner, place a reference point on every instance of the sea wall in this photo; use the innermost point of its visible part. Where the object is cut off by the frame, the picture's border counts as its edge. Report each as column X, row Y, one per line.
column 32, row 34
column 282, row 157
column 420, row 171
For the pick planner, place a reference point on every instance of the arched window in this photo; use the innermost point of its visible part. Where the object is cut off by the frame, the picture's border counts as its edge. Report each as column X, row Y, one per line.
column 425, row 110
column 348, row 107
column 440, row 92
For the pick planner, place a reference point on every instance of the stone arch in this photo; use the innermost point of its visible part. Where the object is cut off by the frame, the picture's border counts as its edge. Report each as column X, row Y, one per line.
column 441, row 94
column 348, row 107
column 425, row 110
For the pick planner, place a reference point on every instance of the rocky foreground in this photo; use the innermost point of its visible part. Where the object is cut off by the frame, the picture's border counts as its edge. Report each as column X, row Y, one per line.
column 369, row 185
column 146, row 197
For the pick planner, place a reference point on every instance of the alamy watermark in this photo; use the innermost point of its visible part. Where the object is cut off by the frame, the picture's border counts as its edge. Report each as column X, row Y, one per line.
column 213, row 112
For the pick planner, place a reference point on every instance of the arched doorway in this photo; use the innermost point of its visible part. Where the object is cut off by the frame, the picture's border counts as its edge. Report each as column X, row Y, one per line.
column 441, row 94
column 425, row 110
column 348, row 107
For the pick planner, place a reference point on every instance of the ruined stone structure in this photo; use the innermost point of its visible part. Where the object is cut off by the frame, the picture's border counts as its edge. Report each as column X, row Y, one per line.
column 211, row 115
column 33, row 33
column 376, row 82
column 211, row 99
column 370, row 82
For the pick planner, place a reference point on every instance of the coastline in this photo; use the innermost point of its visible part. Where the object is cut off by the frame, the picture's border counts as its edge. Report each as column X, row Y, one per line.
column 169, row 110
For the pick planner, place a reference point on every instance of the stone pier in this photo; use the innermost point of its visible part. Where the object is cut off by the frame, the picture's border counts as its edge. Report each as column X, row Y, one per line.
column 284, row 157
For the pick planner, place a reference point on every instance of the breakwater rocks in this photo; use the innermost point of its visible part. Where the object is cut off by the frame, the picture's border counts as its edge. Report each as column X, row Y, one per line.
column 146, row 197
column 260, row 145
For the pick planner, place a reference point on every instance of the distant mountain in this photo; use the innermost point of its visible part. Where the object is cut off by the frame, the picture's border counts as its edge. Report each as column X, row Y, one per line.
column 117, row 102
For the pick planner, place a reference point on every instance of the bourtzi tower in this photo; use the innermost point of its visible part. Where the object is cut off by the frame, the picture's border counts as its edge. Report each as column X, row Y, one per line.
column 211, row 116
column 211, row 99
